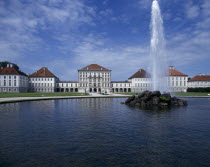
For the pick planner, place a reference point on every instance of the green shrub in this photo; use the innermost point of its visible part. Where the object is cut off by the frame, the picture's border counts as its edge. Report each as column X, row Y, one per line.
column 165, row 99
column 207, row 89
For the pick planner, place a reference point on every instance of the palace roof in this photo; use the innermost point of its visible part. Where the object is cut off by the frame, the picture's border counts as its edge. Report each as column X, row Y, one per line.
column 11, row 71
column 173, row 72
column 200, row 78
column 43, row 72
column 140, row 74
column 94, row 67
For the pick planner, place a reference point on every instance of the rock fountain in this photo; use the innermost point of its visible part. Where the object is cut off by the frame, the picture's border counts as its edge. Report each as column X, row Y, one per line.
column 157, row 96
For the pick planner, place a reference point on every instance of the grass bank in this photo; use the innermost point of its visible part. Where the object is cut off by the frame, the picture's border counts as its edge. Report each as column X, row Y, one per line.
column 5, row 95
column 192, row 94
column 130, row 93
column 178, row 94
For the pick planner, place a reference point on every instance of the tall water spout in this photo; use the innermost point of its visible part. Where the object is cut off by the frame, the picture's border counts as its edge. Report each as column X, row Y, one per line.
column 158, row 55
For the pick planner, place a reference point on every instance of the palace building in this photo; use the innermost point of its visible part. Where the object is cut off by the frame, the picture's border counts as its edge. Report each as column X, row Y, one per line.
column 121, row 86
column 42, row 81
column 12, row 80
column 199, row 81
column 141, row 81
column 92, row 78
column 67, row 86
column 177, row 81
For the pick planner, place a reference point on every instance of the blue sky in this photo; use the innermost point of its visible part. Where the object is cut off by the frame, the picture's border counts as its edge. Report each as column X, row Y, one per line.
column 66, row 35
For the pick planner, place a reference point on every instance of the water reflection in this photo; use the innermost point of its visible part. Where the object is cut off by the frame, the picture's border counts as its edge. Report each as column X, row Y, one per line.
column 10, row 107
column 103, row 132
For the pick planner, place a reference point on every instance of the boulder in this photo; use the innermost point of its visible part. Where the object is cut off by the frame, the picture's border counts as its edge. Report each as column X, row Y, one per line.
column 133, row 102
column 143, row 104
column 149, row 99
column 140, row 95
column 174, row 98
column 163, row 104
column 156, row 93
column 149, row 103
column 130, row 99
column 155, row 100
column 138, row 104
column 182, row 102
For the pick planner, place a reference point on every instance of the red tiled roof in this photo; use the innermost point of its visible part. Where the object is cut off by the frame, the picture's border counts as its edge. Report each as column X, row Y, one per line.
column 173, row 72
column 140, row 74
column 43, row 72
column 94, row 67
column 200, row 78
column 11, row 71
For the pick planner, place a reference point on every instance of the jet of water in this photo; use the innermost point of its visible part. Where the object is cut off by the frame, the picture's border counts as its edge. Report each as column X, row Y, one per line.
column 159, row 65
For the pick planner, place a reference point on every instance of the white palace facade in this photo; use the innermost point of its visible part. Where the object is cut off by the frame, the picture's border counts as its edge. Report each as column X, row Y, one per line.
column 199, row 81
column 13, row 80
column 92, row 78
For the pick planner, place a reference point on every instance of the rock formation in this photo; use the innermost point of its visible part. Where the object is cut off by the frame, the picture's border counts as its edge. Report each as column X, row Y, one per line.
column 150, row 99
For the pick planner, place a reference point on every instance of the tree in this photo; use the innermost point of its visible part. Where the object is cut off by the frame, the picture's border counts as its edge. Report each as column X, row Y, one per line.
column 4, row 64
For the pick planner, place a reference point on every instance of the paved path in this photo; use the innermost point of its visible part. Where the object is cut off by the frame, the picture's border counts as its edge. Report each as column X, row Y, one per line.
column 92, row 95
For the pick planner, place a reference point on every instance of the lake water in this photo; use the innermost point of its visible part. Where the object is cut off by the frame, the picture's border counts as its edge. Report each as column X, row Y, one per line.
column 103, row 133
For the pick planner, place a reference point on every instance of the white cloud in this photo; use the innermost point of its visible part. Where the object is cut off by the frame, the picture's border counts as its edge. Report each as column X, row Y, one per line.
column 144, row 3
column 205, row 7
column 192, row 10
column 122, row 60
column 189, row 47
column 20, row 22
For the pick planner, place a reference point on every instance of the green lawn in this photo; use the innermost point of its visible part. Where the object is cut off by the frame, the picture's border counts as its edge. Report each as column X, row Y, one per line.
column 130, row 93
column 177, row 94
column 191, row 94
column 3, row 95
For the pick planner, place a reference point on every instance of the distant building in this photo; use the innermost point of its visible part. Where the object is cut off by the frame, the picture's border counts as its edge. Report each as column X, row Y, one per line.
column 121, row 86
column 140, row 81
column 177, row 81
column 67, row 86
column 12, row 80
column 199, row 81
column 42, row 81
column 94, row 78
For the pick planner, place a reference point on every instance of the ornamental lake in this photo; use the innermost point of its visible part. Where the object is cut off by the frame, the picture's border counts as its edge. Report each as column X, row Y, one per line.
column 101, row 132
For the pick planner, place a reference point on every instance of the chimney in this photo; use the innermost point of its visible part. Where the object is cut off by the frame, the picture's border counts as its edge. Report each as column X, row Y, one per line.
column 8, row 65
column 171, row 68
column 11, row 65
